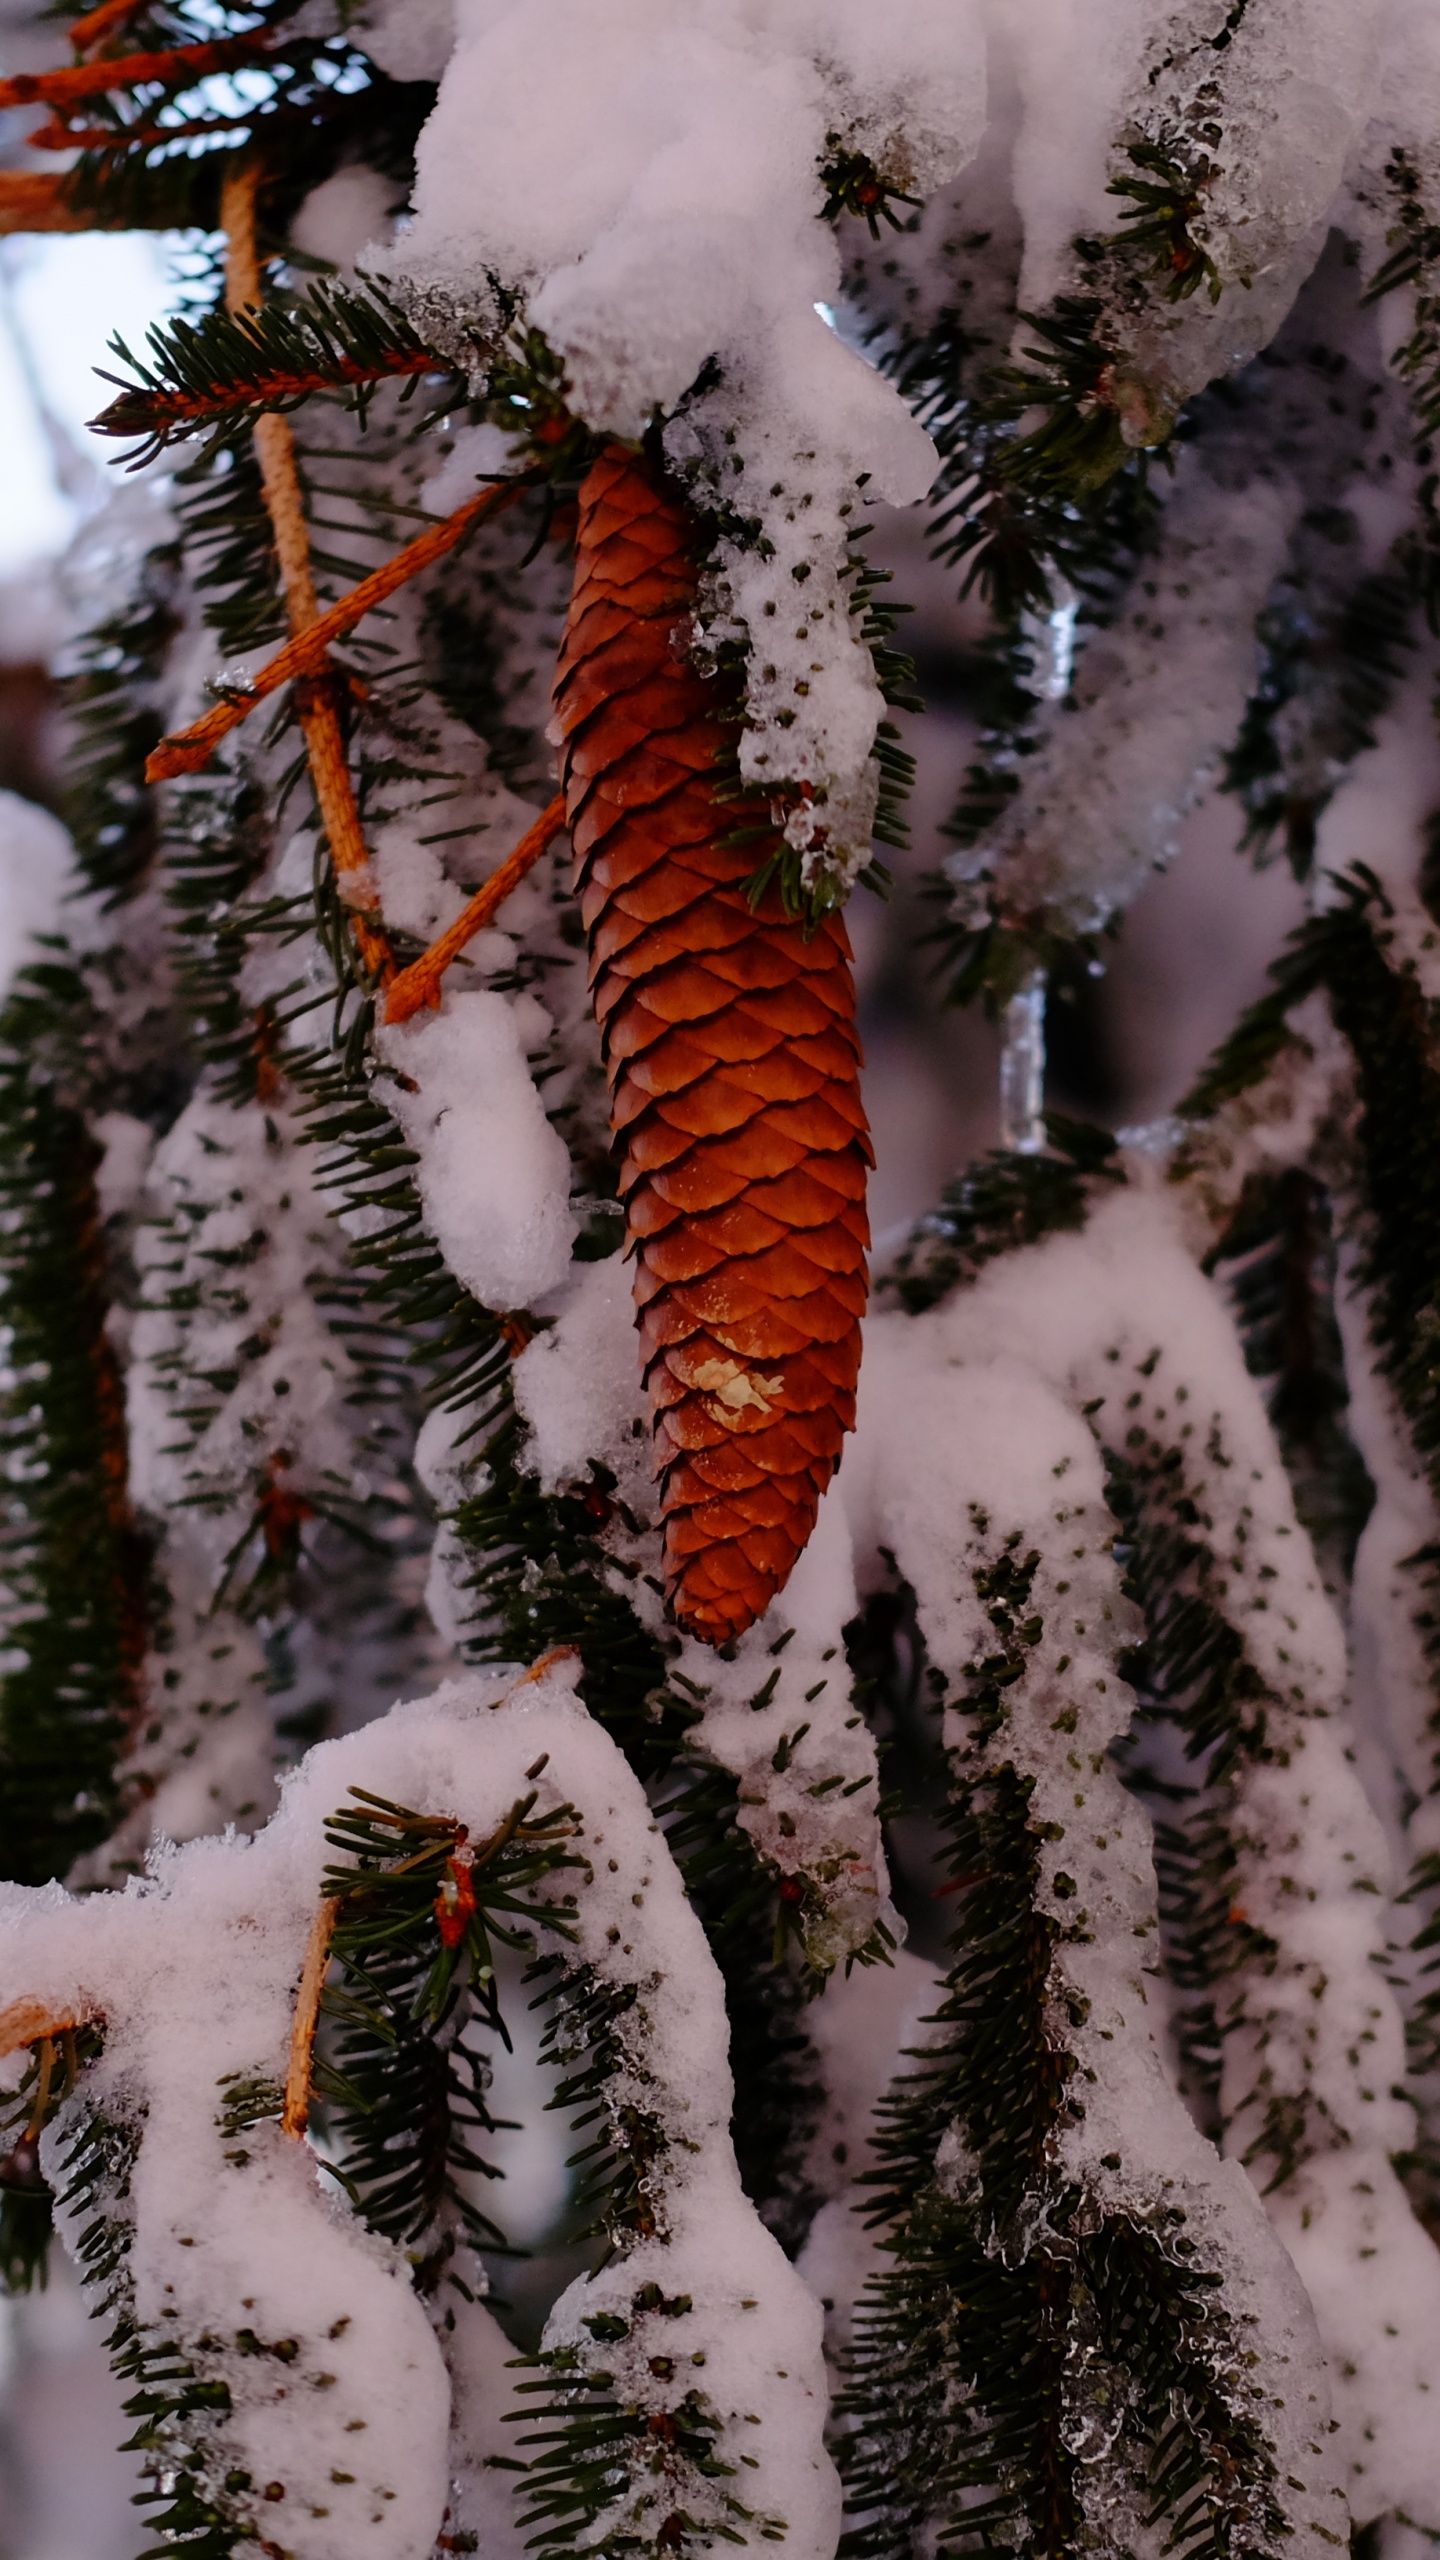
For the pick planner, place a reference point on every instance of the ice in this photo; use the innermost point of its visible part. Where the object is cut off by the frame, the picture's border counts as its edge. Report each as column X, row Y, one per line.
column 1100, row 804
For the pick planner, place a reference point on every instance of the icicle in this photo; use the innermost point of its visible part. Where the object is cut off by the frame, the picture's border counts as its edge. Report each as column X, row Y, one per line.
column 1022, row 1069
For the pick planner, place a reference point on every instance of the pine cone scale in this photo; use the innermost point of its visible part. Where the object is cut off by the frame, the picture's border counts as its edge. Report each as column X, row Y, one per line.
column 729, row 1043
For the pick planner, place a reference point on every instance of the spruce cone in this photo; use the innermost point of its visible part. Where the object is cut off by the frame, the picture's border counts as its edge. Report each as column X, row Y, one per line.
column 730, row 1046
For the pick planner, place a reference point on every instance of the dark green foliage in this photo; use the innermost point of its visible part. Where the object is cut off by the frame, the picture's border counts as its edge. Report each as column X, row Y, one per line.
column 73, row 1561
column 989, row 2351
column 417, row 1316
column 218, row 843
column 309, row 99
column 895, row 673
column 1415, row 260
column 177, row 2409
column 592, row 2451
column 1343, row 666
column 1386, row 1021
column 1164, row 196
column 853, row 184
column 585, row 2041
column 230, row 548
column 543, row 1577
column 1194, row 1680
column 111, row 696
column 1058, row 498
column 1277, row 1258
column 999, row 1204
column 404, row 2090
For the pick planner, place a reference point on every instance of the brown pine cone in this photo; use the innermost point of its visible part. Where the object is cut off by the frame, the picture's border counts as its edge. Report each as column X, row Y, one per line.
column 730, row 1045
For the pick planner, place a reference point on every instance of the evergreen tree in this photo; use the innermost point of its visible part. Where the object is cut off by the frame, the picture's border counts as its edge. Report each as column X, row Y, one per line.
column 442, row 974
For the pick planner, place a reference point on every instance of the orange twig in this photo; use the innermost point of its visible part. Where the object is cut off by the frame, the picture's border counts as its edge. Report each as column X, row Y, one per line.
column 35, row 200
column 419, row 985
column 547, row 1662
column 295, row 2114
column 306, row 652
column 26, row 2021
column 94, row 79
column 316, row 700
column 98, row 22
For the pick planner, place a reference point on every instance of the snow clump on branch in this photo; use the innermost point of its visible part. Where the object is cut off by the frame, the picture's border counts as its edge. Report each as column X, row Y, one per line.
column 678, row 228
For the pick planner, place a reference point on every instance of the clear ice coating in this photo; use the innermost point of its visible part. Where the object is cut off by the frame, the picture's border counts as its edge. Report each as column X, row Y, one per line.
column 1022, row 1069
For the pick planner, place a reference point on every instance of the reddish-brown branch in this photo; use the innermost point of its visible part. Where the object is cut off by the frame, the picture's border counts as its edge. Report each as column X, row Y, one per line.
column 187, row 62
column 306, row 652
column 295, row 2115
column 140, row 412
column 419, row 985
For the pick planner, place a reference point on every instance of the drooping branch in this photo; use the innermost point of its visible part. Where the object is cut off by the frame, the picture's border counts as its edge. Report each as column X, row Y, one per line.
column 306, row 653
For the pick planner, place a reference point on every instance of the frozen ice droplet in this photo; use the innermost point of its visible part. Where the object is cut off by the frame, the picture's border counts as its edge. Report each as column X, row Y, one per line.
column 1022, row 1069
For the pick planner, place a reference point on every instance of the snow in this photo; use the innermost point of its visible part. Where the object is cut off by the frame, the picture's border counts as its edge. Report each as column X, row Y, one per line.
column 494, row 1177
column 344, row 214
column 673, row 252
column 1101, row 803
column 37, row 873
column 679, row 223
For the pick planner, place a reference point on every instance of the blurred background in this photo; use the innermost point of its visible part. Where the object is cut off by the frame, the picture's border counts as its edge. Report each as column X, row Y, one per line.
column 1123, row 1049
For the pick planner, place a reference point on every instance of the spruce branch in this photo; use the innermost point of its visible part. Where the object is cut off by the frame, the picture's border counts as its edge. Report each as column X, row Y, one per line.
column 306, row 654
column 216, row 372
column 417, row 1911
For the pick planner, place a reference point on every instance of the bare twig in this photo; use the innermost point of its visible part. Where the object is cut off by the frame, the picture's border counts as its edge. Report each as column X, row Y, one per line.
column 295, row 2115
column 419, row 985
column 317, row 698
column 306, row 653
